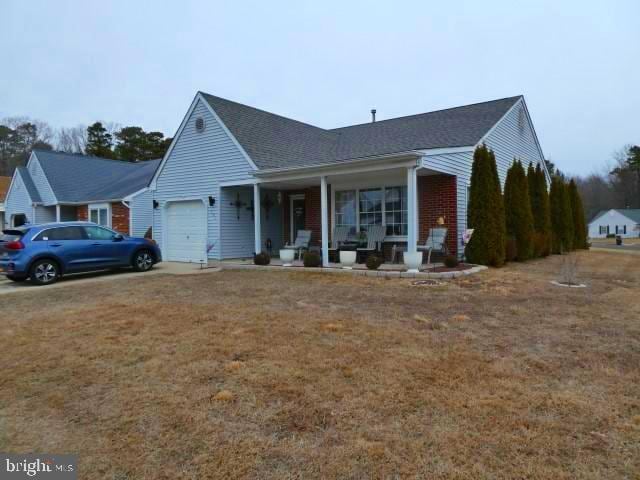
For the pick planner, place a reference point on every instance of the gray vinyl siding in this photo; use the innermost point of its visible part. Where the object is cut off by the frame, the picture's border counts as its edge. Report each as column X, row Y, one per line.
column 40, row 181
column 18, row 201
column 141, row 213
column 513, row 137
column 458, row 164
column 237, row 233
column 45, row 214
column 196, row 166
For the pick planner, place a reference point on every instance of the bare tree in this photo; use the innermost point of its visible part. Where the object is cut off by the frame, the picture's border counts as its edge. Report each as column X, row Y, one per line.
column 72, row 139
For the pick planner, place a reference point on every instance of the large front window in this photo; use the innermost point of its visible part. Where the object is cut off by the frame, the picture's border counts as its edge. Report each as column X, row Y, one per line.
column 357, row 209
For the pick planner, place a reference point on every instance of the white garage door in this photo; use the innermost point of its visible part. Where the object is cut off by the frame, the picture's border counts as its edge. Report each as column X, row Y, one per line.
column 186, row 232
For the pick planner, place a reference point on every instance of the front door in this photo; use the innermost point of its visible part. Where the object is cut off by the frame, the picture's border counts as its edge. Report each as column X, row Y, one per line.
column 297, row 215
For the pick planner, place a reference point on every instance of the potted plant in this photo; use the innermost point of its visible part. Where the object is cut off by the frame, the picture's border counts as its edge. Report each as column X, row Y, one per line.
column 287, row 255
column 413, row 261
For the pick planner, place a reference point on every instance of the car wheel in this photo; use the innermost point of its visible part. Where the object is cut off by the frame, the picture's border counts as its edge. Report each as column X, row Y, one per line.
column 143, row 261
column 13, row 278
column 44, row 272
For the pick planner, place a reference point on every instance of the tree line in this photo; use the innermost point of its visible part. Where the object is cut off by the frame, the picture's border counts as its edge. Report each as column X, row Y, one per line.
column 19, row 136
column 618, row 186
column 527, row 220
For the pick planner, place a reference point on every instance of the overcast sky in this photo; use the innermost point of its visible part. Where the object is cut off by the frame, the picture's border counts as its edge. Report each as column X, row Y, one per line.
column 328, row 63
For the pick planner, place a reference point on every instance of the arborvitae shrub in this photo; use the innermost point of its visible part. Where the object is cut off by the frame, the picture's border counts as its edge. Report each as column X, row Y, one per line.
column 561, row 217
column 451, row 261
column 579, row 223
column 519, row 219
column 485, row 213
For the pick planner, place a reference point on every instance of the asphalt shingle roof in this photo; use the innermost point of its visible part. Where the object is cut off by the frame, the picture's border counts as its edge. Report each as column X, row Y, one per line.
column 81, row 178
column 632, row 213
column 29, row 185
column 273, row 141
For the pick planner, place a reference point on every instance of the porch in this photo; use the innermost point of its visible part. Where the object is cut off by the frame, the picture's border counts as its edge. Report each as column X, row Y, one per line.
column 401, row 196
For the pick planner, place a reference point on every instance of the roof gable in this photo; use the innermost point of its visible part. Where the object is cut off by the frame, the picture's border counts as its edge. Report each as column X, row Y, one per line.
column 27, row 181
column 631, row 213
column 79, row 178
column 273, row 141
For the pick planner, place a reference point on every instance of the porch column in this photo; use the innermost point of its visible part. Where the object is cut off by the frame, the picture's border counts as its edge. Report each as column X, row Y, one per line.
column 58, row 213
column 412, row 210
column 324, row 219
column 257, row 210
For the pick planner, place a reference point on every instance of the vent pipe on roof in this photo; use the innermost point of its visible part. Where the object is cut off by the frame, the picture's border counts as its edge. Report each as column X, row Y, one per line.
column 373, row 115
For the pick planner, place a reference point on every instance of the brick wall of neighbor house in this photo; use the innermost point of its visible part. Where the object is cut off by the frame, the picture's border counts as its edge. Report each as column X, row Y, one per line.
column 83, row 213
column 437, row 197
column 120, row 218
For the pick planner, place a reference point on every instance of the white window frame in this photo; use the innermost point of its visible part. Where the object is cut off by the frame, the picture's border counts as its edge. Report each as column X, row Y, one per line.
column 383, row 187
column 100, row 206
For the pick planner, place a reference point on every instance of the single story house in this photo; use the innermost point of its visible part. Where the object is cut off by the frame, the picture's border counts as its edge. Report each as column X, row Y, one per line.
column 4, row 188
column 617, row 221
column 56, row 187
column 238, row 180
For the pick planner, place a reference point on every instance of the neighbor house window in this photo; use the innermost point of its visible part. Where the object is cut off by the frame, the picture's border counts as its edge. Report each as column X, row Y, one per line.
column 358, row 209
column 100, row 214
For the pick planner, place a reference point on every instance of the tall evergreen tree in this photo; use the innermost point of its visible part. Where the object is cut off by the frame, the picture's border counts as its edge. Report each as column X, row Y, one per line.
column 539, row 197
column 134, row 144
column 519, row 219
column 99, row 141
column 579, row 222
column 561, row 217
column 486, row 211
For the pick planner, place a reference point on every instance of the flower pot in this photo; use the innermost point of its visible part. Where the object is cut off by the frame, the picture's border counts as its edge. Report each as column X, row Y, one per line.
column 347, row 259
column 413, row 261
column 287, row 255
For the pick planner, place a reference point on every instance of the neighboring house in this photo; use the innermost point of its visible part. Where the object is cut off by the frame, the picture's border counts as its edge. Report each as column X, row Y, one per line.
column 4, row 188
column 63, row 187
column 404, row 173
column 620, row 221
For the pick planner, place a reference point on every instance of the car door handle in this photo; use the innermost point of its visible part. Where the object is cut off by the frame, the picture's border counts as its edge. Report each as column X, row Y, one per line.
column 55, row 245
column 96, row 244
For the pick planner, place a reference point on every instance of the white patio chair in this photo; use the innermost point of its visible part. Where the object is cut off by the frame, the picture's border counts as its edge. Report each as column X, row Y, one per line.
column 375, row 237
column 303, row 238
column 436, row 242
column 340, row 235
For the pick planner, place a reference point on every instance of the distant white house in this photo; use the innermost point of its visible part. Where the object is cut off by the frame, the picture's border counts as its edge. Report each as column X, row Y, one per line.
column 622, row 221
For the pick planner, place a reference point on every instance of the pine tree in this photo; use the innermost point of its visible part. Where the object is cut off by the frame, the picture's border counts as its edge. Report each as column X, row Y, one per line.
column 561, row 217
column 539, row 197
column 519, row 219
column 99, row 141
column 486, row 211
column 579, row 223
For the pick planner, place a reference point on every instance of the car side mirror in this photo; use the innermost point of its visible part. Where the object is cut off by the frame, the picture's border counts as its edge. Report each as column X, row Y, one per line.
column 118, row 238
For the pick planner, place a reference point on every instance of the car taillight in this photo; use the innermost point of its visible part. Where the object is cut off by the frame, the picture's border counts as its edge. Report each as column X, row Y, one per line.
column 14, row 245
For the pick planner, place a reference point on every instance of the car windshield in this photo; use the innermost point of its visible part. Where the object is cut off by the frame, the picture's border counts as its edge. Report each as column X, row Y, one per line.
column 13, row 234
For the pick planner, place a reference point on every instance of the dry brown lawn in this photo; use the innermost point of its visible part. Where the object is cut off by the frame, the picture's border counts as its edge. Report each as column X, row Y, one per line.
column 275, row 375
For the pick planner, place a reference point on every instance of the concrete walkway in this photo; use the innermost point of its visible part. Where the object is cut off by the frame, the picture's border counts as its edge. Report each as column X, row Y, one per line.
column 167, row 268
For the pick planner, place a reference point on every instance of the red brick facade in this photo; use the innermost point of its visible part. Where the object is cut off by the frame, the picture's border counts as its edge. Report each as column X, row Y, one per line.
column 119, row 216
column 437, row 197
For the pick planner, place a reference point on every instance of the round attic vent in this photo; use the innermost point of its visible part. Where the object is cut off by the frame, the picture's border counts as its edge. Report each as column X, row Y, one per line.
column 199, row 124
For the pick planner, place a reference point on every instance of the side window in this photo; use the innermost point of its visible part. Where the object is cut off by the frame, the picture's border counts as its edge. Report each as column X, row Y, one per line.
column 97, row 233
column 63, row 233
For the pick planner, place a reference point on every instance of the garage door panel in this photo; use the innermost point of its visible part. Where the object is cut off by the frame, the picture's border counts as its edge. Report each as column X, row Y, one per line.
column 186, row 232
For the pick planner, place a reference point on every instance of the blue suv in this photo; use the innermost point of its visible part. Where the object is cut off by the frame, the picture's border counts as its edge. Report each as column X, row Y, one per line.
column 43, row 253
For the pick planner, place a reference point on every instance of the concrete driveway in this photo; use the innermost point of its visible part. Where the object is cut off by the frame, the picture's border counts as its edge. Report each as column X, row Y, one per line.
column 167, row 268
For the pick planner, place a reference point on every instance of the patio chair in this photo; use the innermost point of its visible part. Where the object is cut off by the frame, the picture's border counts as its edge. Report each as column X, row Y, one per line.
column 436, row 242
column 375, row 237
column 303, row 238
column 340, row 235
